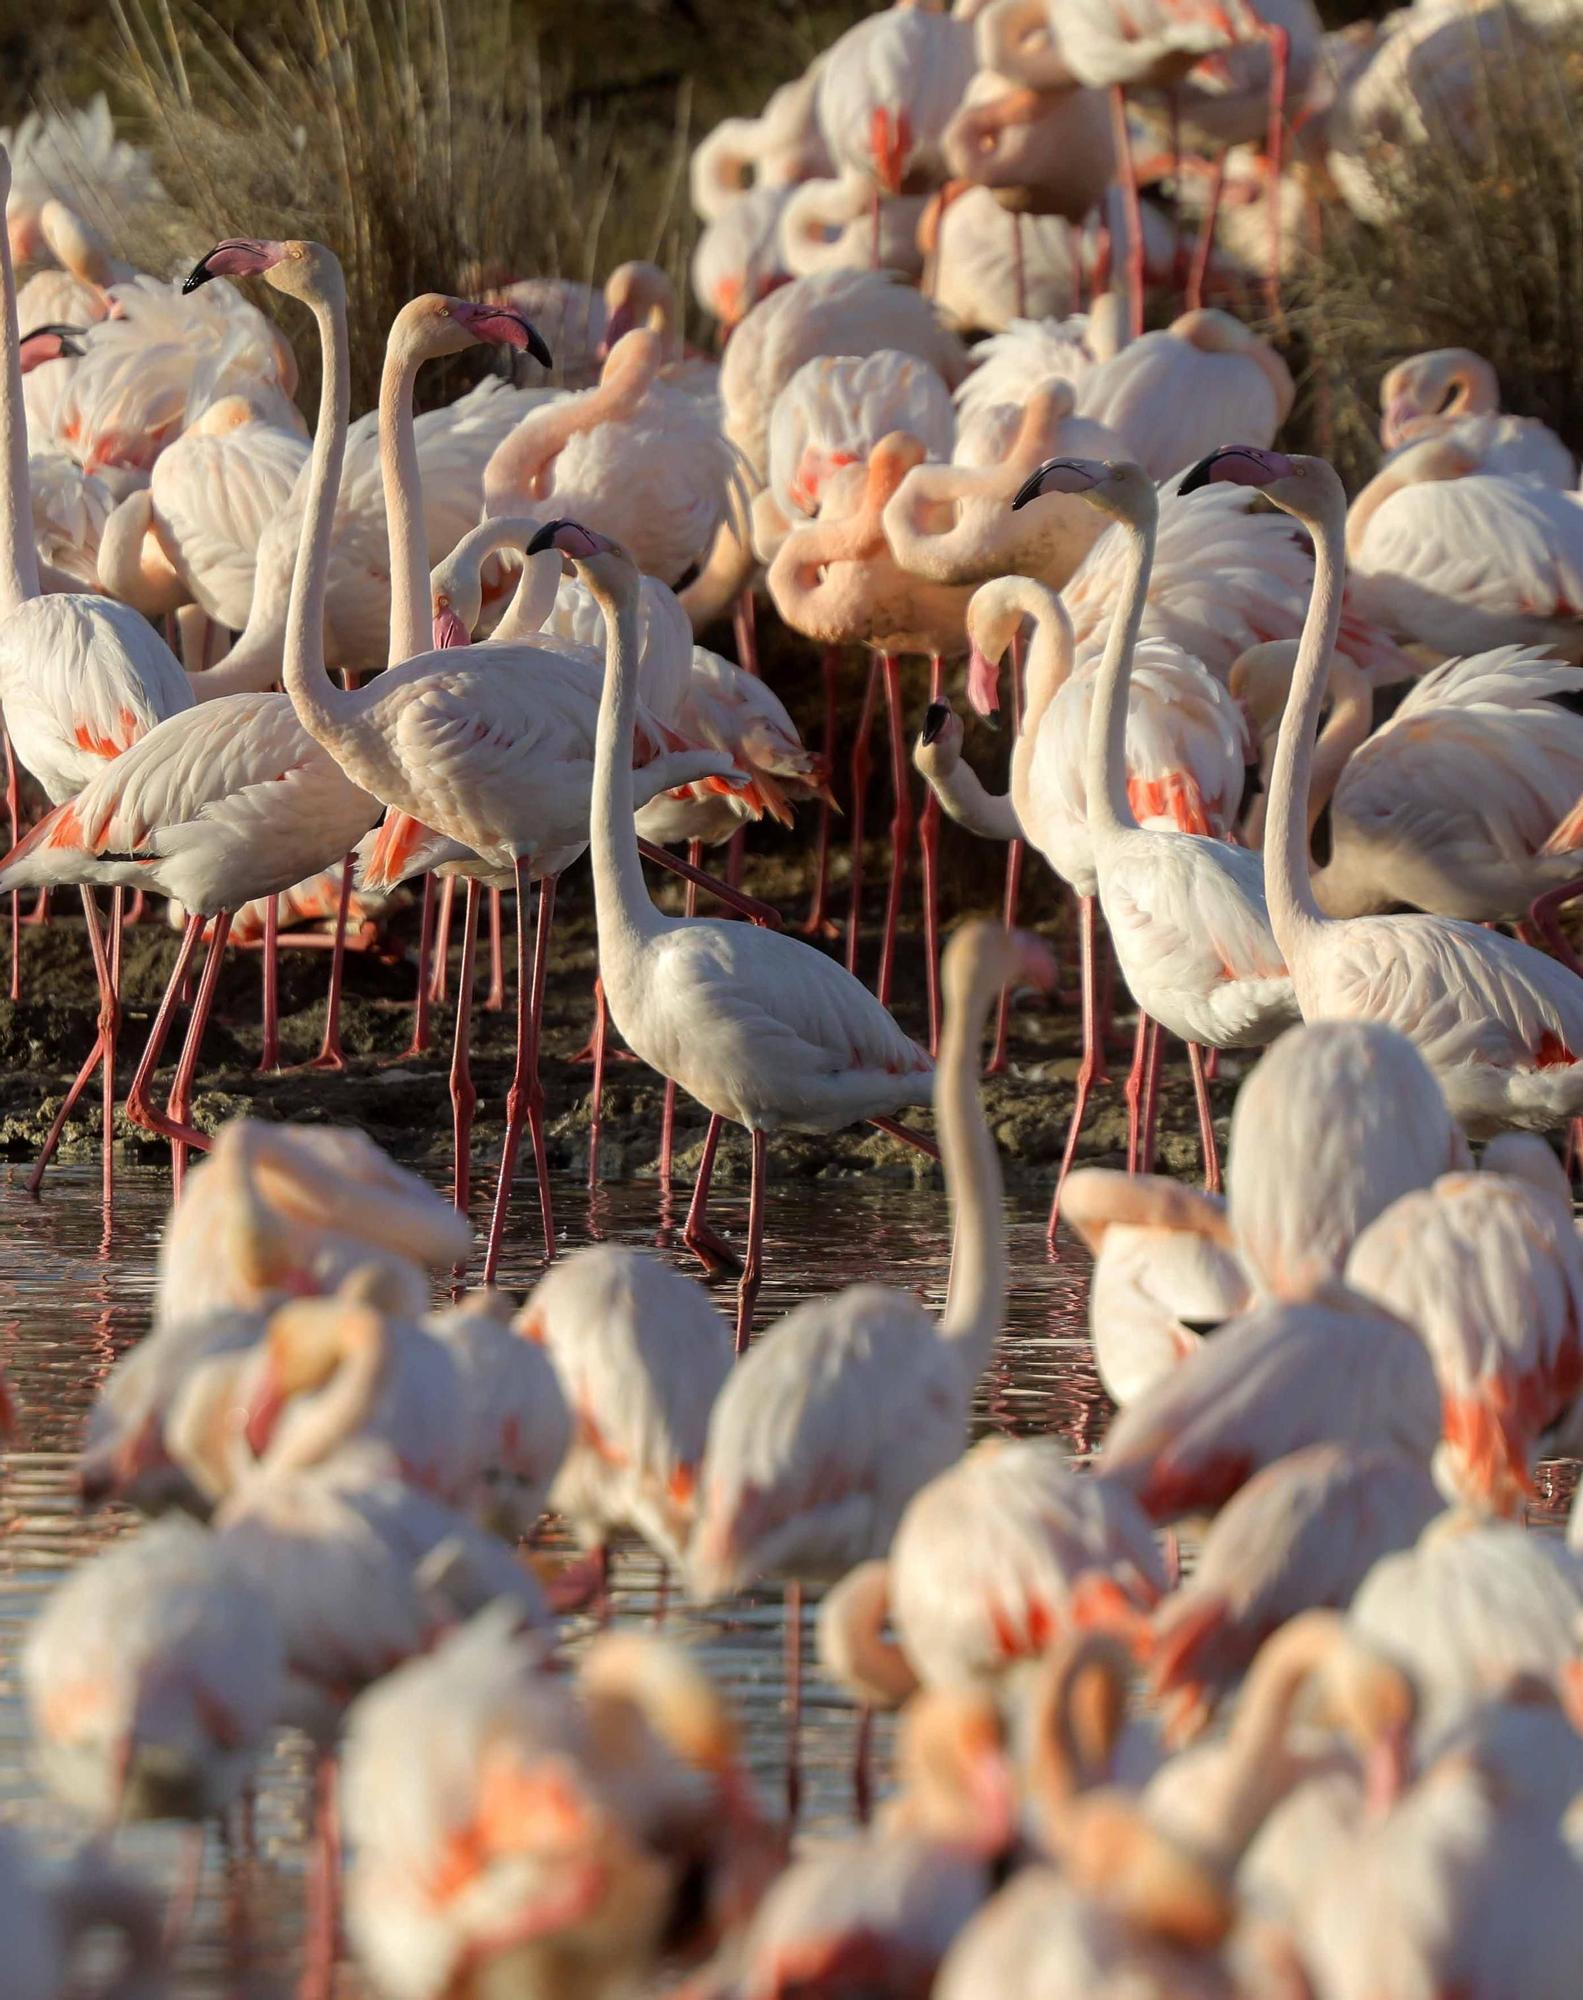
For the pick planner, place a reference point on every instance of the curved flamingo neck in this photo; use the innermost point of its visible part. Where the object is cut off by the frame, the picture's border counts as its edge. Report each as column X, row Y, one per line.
column 1347, row 727
column 975, row 1300
column 1105, row 771
column 522, row 462
column 401, row 475
column 321, row 706
column 624, row 911
column 334, row 1416
column 1288, row 888
column 1046, row 669
column 19, row 577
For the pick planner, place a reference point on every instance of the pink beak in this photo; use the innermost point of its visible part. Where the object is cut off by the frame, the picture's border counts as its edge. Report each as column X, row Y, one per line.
column 983, row 682
column 449, row 630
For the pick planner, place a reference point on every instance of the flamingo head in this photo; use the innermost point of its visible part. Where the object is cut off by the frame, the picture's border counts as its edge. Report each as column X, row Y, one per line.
column 1306, row 488
column 452, row 324
column 1114, row 485
column 636, row 294
column 306, row 271
column 49, row 343
column 450, row 627
column 941, row 734
column 1447, row 382
column 578, row 547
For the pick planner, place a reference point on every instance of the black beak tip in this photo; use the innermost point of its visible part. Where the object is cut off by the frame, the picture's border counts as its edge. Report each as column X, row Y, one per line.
column 1028, row 490
column 200, row 274
column 544, row 538
column 539, row 348
column 935, row 718
column 1197, row 476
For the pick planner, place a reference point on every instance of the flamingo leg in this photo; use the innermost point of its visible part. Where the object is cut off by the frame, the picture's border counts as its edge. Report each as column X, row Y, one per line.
column 109, row 1014
column 860, row 773
column 793, row 1702
column 109, row 975
column 525, row 1098
column 1091, row 1070
column 695, row 854
column 139, row 1108
column 1133, row 1092
column 862, row 1775
column 177, row 1122
column 1151, row 1095
column 1544, row 915
column 324, row 1915
column 139, row 907
column 421, row 1035
column 894, row 1129
column 747, row 906
column 706, row 1244
column 817, row 923
column 442, row 946
column 900, row 825
column 13, row 803
column 269, row 1054
column 597, row 1092
column 929, row 856
column 744, row 627
column 464, row 1098
column 1128, row 172
column 1018, row 267
column 1206, row 1119
column 753, row 1264
column 331, row 1055
column 495, row 998
column 1016, row 853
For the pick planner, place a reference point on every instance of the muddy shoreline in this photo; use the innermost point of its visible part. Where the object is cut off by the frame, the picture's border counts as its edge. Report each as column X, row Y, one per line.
column 404, row 1102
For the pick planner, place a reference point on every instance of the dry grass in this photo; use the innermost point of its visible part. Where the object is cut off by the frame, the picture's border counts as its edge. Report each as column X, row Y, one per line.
column 423, row 139
column 1485, row 251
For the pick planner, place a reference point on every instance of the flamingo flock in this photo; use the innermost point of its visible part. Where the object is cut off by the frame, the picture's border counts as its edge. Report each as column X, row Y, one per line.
column 1269, row 1690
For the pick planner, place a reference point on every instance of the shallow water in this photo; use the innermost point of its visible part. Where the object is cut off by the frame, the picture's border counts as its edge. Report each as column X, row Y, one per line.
column 67, row 1310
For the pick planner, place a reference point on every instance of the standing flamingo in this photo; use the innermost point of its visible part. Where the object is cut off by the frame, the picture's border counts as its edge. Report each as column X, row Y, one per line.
column 1499, row 1023
column 1185, row 913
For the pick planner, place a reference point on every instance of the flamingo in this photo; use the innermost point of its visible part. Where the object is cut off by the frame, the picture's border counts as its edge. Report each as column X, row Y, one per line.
column 1165, row 1276
column 1040, row 152
column 640, row 1355
column 1489, row 1268
column 493, row 760
column 1186, row 913
column 985, row 270
column 1462, row 804
column 1281, row 1377
column 1338, row 1120
column 1462, row 559
column 154, row 1677
column 569, row 1830
column 837, row 581
column 1452, row 391
column 839, row 225
column 887, row 89
column 1302, row 1533
column 997, row 1559
column 839, row 1056
column 1495, row 1020
column 803, row 1477
column 742, row 255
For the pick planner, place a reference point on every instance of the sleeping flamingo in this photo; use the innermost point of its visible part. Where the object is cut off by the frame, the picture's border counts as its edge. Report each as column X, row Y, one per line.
column 1453, row 391
column 1498, row 1022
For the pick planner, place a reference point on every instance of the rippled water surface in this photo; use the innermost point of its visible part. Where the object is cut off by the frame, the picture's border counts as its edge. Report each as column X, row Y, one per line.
column 67, row 1309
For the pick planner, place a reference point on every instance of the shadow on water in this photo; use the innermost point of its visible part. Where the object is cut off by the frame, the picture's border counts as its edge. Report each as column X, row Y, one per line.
column 68, row 1309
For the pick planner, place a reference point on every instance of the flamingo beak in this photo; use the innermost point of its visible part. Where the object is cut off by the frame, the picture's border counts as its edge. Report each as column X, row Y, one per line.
column 983, row 682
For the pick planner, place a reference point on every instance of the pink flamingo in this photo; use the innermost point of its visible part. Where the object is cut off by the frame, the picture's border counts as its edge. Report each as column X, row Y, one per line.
column 1497, row 1021
column 1454, row 392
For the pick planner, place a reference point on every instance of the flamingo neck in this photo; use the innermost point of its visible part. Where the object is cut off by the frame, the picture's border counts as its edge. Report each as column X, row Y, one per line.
column 321, row 706
column 335, row 1414
column 19, row 578
column 1047, row 667
column 402, row 478
column 1347, row 727
column 1105, row 772
column 624, row 910
column 1288, row 889
column 975, row 1299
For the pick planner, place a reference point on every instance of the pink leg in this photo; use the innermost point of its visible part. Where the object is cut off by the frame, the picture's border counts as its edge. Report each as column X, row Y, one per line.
column 900, row 825
column 331, row 1054
column 1206, row 1119
column 1019, row 272
column 601, row 1054
column 178, row 1109
column 929, row 855
column 753, row 1263
column 1280, row 51
column 464, row 1098
column 139, row 1106
column 1204, row 249
column 1151, row 1095
column 1544, row 915
column 525, row 1099
column 695, row 855
column 1135, row 1091
column 744, row 625
column 894, row 1129
column 818, row 924
column 1129, row 188
column 710, row 1248
column 38, row 916
column 1015, row 855
column 109, row 1017
column 746, row 906
column 322, row 1945
column 793, row 1702
column 269, row 1054
column 860, row 772
column 13, row 802
column 1091, row 1070
column 442, row 946
column 109, row 1034
column 495, row 998
column 421, row 1035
